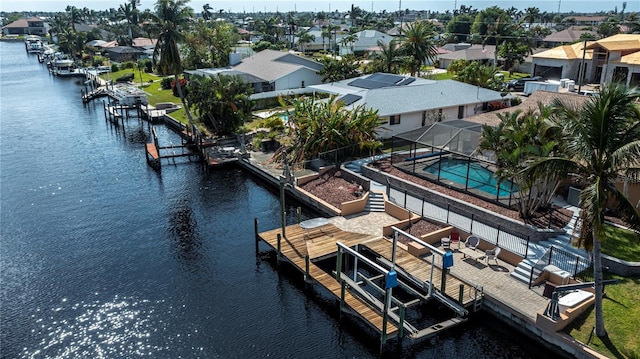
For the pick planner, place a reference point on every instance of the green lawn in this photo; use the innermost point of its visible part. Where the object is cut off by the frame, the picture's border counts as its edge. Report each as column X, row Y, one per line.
column 621, row 317
column 151, row 85
column 622, row 244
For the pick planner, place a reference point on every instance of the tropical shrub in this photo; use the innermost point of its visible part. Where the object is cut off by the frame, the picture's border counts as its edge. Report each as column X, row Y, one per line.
column 183, row 85
column 222, row 102
column 165, row 83
column 320, row 126
column 115, row 68
column 126, row 77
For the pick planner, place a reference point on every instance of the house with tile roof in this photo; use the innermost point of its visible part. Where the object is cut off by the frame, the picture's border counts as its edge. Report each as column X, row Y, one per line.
column 29, row 26
column 530, row 103
column 408, row 103
column 570, row 35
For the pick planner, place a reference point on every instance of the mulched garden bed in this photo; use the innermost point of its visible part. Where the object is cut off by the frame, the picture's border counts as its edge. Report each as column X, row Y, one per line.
column 418, row 229
column 332, row 188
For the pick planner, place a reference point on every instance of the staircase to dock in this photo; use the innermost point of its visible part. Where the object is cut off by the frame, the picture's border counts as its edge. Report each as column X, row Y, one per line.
column 375, row 203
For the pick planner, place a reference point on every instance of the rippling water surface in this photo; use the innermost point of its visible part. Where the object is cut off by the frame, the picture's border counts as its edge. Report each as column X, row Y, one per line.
column 102, row 257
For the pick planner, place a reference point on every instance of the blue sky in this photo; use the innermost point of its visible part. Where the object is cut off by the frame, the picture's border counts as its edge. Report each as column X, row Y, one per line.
column 341, row 5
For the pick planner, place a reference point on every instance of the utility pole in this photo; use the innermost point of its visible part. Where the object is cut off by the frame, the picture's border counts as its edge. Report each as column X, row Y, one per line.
column 582, row 66
column 401, row 15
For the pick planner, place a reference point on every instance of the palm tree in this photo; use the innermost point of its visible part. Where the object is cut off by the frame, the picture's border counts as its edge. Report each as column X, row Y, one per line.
column 325, row 35
column 58, row 25
column 390, row 57
column 74, row 15
column 320, row 126
column 173, row 18
column 128, row 13
column 349, row 40
column 531, row 14
column 602, row 143
column 206, row 12
column 518, row 137
column 333, row 28
column 418, row 45
column 305, row 38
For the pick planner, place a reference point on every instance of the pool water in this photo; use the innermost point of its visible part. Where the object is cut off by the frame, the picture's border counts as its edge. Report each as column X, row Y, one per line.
column 284, row 116
column 480, row 178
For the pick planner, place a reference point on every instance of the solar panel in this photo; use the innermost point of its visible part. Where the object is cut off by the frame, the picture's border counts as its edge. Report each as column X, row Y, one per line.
column 367, row 84
column 348, row 99
column 380, row 80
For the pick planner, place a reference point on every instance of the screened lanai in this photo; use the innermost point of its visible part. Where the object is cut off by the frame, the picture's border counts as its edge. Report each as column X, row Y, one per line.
column 447, row 153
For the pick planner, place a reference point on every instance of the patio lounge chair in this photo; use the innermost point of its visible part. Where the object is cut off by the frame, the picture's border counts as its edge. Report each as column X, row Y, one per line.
column 472, row 242
column 493, row 254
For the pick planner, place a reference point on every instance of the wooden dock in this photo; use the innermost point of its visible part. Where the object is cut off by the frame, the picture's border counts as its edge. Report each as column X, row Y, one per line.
column 317, row 243
column 301, row 247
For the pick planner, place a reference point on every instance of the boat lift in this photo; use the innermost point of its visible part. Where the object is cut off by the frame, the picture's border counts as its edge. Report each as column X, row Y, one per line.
column 391, row 280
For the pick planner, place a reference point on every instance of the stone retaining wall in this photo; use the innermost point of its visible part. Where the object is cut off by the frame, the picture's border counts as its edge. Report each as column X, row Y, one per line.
column 620, row 267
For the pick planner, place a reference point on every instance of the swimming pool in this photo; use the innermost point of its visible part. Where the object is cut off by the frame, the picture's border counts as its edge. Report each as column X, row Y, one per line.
column 480, row 178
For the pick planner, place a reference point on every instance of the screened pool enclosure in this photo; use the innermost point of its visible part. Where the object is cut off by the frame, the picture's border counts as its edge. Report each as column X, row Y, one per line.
column 447, row 153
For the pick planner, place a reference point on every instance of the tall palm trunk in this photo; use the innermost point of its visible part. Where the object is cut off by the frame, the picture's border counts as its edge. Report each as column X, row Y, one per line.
column 184, row 102
column 599, row 287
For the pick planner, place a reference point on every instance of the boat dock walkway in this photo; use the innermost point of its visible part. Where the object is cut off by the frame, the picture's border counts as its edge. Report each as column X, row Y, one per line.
column 299, row 244
column 304, row 247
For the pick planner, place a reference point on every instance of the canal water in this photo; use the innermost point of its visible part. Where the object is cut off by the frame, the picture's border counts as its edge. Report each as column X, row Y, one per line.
column 103, row 257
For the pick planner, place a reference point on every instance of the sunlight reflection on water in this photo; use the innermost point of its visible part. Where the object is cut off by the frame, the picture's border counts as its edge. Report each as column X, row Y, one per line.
column 99, row 329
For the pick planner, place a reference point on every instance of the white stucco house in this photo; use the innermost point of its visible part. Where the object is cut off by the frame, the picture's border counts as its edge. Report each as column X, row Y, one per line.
column 366, row 41
column 408, row 103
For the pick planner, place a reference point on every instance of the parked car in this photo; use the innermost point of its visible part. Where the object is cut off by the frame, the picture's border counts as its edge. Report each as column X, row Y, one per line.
column 517, row 85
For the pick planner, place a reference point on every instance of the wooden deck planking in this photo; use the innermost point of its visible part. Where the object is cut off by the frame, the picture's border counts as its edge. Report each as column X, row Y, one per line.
column 152, row 151
column 317, row 243
column 421, row 269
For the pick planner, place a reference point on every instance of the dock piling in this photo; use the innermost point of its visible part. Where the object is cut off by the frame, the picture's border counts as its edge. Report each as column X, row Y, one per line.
column 307, row 276
column 255, row 231
column 343, row 286
column 279, row 248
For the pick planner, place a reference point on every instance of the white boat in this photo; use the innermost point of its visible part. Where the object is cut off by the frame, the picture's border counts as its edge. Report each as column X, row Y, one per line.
column 62, row 67
column 33, row 44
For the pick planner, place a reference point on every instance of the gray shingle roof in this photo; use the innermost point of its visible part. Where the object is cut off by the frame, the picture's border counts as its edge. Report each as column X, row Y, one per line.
column 272, row 65
column 427, row 96
column 421, row 95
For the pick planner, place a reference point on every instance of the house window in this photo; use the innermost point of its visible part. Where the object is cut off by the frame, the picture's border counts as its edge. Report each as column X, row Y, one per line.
column 424, row 118
column 394, row 120
column 460, row 112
